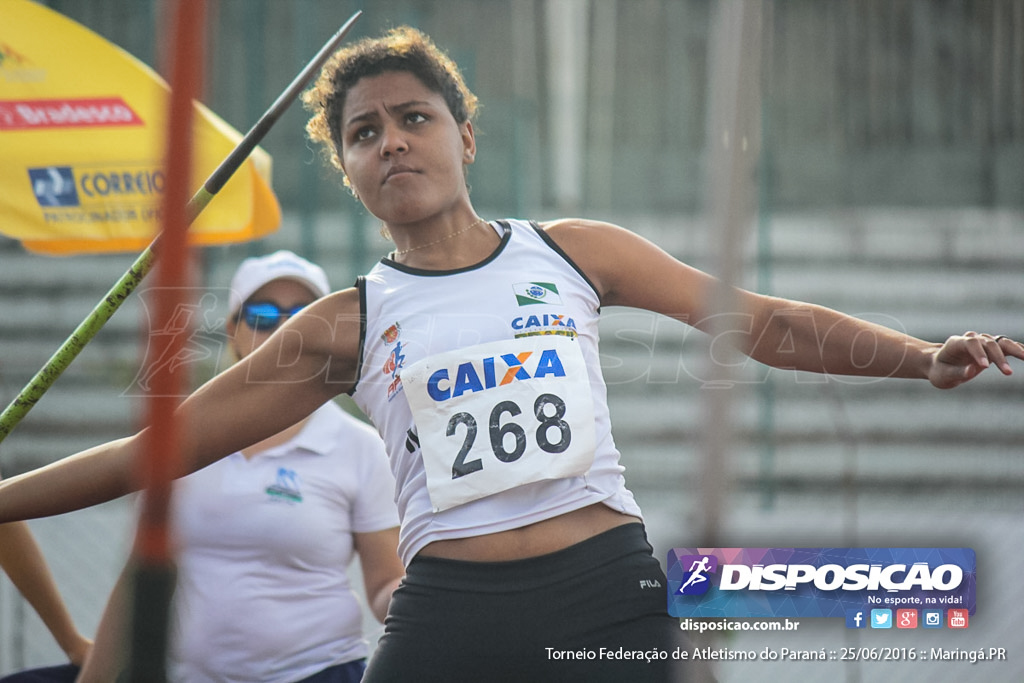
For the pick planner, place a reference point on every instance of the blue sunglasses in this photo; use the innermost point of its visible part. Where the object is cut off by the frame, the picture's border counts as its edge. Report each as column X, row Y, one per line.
column 263, row 316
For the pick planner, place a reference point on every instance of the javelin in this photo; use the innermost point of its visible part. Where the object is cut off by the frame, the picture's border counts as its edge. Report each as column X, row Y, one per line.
column 123, row 288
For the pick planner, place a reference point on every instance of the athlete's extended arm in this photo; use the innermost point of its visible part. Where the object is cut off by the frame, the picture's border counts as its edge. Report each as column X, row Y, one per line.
column 628, row 270
column 309, row 360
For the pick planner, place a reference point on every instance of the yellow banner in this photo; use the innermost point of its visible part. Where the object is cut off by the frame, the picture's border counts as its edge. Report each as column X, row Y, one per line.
column 82, row 138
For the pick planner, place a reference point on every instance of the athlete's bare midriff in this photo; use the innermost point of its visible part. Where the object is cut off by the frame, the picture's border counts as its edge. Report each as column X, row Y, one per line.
column 534, row 540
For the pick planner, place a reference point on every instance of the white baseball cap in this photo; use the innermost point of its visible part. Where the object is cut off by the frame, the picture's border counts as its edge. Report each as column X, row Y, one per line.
column 256, row 271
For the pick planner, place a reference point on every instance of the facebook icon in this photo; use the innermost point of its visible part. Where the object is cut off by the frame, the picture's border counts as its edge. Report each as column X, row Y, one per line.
column 855, row 618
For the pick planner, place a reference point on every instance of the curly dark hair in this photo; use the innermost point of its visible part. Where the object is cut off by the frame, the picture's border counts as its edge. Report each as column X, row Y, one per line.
column 400, row 49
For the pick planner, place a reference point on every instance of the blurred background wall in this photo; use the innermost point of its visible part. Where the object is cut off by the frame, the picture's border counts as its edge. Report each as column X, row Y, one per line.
column 886, row 179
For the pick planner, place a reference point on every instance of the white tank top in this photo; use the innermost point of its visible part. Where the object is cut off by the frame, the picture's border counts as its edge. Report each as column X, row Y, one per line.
column 502, row 420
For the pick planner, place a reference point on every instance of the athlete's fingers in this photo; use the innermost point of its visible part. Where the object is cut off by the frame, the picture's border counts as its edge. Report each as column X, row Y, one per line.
column 974, row 344
column 1005, row 348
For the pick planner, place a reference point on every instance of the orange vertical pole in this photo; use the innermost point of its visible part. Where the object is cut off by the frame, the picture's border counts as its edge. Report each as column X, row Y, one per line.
column 154, row 575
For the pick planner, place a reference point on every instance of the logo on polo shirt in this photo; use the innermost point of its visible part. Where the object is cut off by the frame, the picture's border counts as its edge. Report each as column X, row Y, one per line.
column 286, row 486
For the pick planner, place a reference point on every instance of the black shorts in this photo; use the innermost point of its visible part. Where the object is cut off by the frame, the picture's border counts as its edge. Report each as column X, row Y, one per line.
column 589, row 612
column 63, row 673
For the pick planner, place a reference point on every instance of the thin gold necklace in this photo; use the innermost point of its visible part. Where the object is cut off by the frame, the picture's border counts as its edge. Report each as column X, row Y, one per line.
column 469, row 227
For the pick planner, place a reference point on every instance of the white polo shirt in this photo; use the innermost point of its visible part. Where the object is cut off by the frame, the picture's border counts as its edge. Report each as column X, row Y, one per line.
column 263, row 594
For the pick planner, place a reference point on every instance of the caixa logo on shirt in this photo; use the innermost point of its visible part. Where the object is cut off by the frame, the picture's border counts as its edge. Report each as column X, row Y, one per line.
column 547, row 323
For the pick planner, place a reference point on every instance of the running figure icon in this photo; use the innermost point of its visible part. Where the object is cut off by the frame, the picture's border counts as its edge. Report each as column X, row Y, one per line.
column 697, row 570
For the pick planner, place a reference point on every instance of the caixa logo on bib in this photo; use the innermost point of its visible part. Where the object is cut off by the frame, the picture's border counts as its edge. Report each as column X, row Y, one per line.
column 491, row 372
column 816, row 582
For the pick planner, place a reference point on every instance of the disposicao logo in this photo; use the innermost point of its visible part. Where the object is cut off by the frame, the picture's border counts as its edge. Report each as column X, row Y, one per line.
column 817, row 582
column 696, row 581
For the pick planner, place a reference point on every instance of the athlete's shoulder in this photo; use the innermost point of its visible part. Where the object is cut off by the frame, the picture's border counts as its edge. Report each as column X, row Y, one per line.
column 594, row 247
column 328, row 332
column 331, row 314
column 568, row 232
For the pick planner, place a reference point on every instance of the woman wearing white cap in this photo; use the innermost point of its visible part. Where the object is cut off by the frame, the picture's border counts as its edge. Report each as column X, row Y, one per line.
column 266, row 534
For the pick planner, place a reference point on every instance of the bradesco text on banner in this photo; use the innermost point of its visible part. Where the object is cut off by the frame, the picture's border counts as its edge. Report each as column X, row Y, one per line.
column 816, row 582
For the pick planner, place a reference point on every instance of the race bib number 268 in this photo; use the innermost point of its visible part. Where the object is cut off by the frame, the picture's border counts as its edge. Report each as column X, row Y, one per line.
column 499, row 415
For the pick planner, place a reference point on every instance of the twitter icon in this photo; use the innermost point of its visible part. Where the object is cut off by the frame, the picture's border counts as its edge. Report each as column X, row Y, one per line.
column 881, row 618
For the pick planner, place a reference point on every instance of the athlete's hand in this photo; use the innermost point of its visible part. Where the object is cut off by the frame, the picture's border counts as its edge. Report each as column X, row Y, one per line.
column 963, row 357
